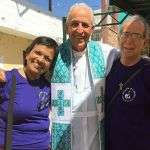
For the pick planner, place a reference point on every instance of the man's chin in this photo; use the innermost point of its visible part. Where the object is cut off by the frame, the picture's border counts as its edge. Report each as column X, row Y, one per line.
column 81, row 46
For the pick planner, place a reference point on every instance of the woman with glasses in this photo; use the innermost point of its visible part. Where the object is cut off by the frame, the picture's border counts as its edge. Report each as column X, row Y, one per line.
column 127, row 91
column 32, row 97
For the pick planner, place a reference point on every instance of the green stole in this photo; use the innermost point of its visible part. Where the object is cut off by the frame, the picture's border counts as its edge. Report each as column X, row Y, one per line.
column 61, row 85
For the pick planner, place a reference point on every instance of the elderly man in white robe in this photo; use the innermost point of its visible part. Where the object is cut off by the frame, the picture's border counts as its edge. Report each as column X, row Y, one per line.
column 78, row 86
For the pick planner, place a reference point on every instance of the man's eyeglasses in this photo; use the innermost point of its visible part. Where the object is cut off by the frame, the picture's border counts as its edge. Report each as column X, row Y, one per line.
column 134, row 36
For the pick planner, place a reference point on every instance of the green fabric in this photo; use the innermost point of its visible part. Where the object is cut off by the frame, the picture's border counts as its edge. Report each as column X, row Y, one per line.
column 62, row 136
column 60, row 102
column 63, row 64
column 62, row 68
column 96, row 59
column 61, row 132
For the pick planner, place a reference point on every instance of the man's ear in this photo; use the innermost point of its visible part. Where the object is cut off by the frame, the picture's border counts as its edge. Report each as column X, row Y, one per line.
column 146, row 43
column 119, row 40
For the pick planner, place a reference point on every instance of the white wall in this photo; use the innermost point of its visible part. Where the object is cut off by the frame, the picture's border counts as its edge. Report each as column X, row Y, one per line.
column 21, row 18
column 11, row 50
column 20, row 23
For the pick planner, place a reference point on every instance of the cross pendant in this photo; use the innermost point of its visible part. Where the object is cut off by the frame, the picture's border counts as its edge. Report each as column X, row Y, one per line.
column 120, row 85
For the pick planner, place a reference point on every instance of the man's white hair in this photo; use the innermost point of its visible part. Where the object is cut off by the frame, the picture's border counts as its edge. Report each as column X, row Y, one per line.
column 137, row 18
column 82, row 5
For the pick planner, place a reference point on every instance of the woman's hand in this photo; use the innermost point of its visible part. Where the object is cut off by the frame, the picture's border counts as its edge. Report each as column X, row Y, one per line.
column 2, row 77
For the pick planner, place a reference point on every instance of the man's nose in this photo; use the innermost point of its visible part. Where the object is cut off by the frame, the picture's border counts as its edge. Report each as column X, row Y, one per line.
column 80, row 28
column 129, row 39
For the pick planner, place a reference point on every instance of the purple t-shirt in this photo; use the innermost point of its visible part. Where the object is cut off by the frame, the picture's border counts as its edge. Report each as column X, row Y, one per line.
column 31, row 110
column 128, row 115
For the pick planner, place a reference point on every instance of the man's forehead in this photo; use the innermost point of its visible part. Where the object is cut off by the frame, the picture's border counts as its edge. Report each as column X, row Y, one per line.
column 80, row 13
column 84, row 20
column 134, row 25
column 133, row 22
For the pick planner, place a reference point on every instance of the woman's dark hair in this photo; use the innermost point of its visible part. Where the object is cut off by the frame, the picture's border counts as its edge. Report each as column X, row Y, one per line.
column 41, row 40
column 48, row 42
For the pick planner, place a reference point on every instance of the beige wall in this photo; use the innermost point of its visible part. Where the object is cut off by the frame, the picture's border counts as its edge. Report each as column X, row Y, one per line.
column 11, row 50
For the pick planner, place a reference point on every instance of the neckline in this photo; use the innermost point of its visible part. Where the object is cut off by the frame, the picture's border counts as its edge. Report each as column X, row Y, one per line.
column 78, row 54
column 23, row 76
column 131, row 67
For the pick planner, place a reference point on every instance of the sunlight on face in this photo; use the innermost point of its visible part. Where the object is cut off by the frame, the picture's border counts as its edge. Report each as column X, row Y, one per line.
column 39, row 60
column 79, row 27
column 132, row 39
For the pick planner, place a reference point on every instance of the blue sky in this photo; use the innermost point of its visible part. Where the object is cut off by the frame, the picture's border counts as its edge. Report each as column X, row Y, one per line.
column 60, row 7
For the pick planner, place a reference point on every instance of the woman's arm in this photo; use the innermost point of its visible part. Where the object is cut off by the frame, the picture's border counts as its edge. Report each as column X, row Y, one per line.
column 2, row 76
column 2, row 81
